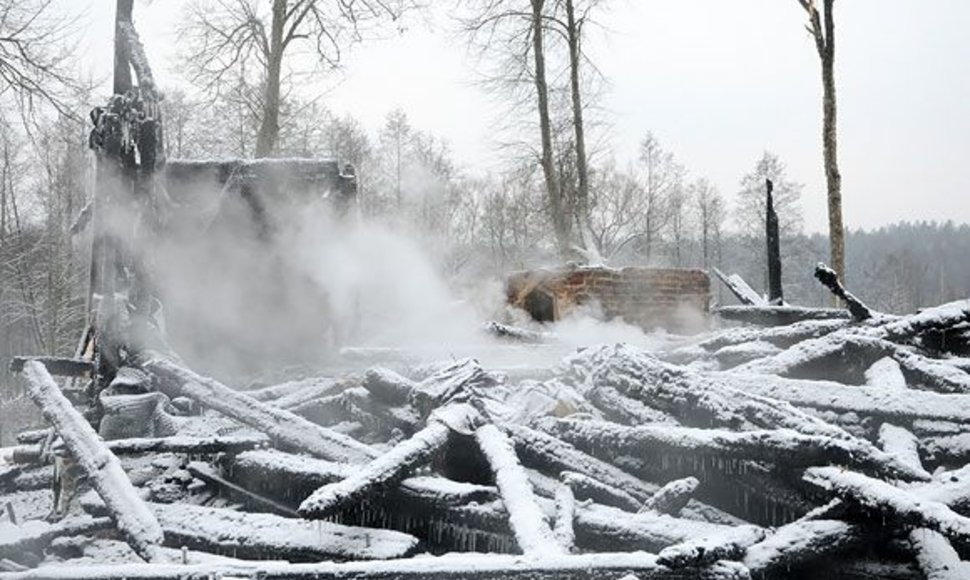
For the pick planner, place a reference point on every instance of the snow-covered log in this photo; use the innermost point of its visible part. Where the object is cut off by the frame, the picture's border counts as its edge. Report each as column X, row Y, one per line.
column 284, row 428
column 836, row 355
column 452, row 383
column 103, row 470
column 799, row 542
column 516, row 334
column 618, row 407
column 447, row 567
column 672, row 497
column 585, row 487
column 35, row 535
column 388, row 386
column 389, row 468
column 936, row 558
column 704, row 551
column 378, row 416
column 779, row 446
column 932, row 374
column 526, row 519
column 552, row 455
column 737, row 354
column 565, row 514
column 891, row 503
column 547, row 453
column 949, row 487
column 261, row 536
column 312, row 390
column 902, row 444
column 937, row 318
column 261, row 470
column 741, row 290
column 605, row 528
column 828, row 277
column 885, row 373
column 715, row 399
column 888, row 404
column 778, row 315
column 779, row 336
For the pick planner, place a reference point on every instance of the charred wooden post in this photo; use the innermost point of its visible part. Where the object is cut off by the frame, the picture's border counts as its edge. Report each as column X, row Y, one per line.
column 830, row 280
column 133, row 518
column 775, row 294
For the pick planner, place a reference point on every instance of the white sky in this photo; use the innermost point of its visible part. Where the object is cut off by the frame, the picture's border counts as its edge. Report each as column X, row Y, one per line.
column 717, row 82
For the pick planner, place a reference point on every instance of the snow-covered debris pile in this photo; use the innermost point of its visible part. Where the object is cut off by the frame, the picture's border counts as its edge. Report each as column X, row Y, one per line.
column 827, row 446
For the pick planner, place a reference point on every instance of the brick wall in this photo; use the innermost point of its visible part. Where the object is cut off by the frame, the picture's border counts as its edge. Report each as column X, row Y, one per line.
column 671, row 298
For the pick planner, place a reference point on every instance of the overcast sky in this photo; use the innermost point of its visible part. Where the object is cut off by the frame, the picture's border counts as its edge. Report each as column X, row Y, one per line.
column 717, row 82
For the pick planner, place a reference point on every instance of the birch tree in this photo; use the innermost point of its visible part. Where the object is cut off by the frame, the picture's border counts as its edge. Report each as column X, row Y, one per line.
column 821, row 25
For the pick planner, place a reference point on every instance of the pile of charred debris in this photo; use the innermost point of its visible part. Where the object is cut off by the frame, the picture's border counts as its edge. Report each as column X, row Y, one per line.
column 834, row 444
column 801, row 443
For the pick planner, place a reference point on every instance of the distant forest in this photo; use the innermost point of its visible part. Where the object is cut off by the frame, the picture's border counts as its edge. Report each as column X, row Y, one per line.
column 898, row 268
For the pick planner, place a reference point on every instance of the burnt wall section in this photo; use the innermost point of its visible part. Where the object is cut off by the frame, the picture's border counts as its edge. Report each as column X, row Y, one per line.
column 237, row 299
column 197, row 184
column 672, row 298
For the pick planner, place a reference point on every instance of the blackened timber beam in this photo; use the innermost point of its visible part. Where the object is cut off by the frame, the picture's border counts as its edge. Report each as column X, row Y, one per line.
column 57, row 366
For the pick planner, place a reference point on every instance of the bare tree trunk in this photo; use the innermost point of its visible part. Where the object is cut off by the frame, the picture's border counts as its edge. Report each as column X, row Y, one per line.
column 269, row 128
column 560, row 221
column 573, row 32
column 832, row 176
column 822, row 28
column 122, row 70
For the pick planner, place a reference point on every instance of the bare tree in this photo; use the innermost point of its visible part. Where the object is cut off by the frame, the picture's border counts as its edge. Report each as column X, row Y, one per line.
column 751, row 209
column 574, row 26
column 710, row 212
column 662, row 179
column 822, row 28
column 513, row 33
column 36, row 46
column 395, row 140
column 224, row 37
